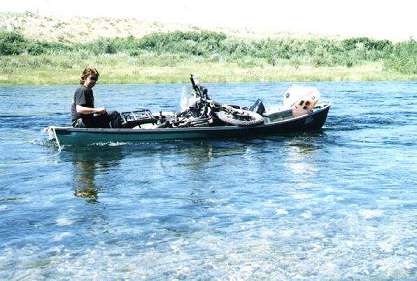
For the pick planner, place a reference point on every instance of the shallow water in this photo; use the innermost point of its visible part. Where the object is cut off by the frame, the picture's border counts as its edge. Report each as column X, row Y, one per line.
column 340, row 204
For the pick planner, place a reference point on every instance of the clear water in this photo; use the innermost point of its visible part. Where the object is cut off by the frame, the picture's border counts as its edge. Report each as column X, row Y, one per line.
column 336, row 205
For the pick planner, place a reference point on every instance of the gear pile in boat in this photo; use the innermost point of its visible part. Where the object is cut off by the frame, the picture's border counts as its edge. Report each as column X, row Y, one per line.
column 199, row 110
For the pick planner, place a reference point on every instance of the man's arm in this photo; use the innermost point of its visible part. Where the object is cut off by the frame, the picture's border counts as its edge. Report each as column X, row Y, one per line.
column 89, row 110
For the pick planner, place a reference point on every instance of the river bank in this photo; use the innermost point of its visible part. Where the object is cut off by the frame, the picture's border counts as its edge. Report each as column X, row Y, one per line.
column 115, row 69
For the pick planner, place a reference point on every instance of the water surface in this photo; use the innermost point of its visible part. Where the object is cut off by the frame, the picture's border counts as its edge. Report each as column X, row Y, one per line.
column 340, row 204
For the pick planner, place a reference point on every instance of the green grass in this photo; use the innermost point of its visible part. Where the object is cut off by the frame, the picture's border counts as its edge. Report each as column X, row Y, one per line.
column 215, row 57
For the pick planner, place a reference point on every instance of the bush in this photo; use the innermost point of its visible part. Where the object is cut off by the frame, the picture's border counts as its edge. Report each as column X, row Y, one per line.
column 369, row 44
column 201, row 43
column 12, row 43
column 36, row 49
column 403, row 58
column 104, row 46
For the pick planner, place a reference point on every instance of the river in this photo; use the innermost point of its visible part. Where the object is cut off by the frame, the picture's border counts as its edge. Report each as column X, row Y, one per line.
column 340, row 204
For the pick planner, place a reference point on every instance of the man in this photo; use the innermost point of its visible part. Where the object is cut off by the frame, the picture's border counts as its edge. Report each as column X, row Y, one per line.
column 83, row 112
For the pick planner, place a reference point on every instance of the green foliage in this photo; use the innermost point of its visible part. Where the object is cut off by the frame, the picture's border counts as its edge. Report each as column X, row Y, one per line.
column 37, row 48
column 12, row 43
column 179, row 48
column 369, row 44
column 403, row 59
column 193, row 43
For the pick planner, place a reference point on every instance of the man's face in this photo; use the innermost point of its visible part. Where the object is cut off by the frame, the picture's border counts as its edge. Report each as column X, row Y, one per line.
column 90, row 81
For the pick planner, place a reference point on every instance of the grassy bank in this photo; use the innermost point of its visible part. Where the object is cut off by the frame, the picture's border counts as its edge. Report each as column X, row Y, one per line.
column 215, row 57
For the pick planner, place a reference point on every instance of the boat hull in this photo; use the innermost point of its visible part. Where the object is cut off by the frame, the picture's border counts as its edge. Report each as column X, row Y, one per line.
column 86, row 136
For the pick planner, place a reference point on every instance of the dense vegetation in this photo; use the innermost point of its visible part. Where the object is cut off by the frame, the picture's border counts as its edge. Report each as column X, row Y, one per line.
column 179, row 48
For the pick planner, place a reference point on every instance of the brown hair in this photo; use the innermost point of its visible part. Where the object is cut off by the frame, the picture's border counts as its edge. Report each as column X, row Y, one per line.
column 88, row 71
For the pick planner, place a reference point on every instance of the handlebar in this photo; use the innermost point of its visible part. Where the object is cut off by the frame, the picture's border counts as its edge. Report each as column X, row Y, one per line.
column 195, row 87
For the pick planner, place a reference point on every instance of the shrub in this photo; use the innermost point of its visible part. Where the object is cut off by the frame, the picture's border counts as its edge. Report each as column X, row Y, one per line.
column 369, row 44
column 403, row 58
column 194, row 43
column 12, row 43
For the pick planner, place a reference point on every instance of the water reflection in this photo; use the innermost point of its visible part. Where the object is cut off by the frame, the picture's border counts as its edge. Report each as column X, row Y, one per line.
column 194, row 154
column 87, row 162
column 199, row 153
column 189, row 162
column 300, row 159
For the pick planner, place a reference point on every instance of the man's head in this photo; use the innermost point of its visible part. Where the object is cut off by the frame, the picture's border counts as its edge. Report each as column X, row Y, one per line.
column 89, row 77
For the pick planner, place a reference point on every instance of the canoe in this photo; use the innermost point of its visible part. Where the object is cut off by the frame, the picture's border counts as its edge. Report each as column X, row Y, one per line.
column 274, row 124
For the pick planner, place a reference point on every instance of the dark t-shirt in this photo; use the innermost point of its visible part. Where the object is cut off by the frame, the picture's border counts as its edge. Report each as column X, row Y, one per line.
column 83, row 96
